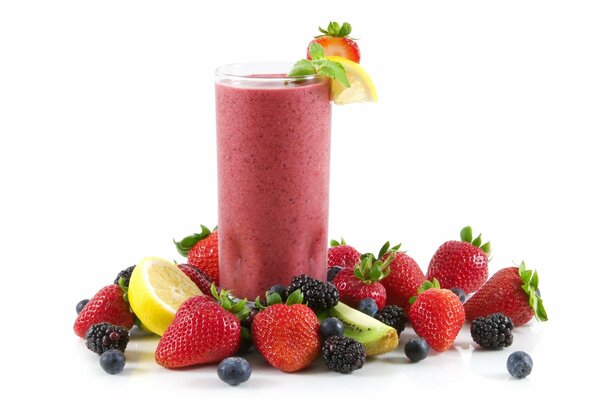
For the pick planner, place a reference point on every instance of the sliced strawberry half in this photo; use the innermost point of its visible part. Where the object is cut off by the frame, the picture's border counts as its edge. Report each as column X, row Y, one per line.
column 336, row 42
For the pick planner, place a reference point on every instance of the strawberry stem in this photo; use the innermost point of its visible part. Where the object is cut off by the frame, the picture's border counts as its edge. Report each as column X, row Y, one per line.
column 369, row 270
column 188, row 242
column 466, row 236
column 530, row 285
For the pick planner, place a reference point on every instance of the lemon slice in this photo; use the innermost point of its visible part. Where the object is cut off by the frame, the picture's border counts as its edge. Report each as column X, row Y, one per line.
column 362, row 89
column 156, row 290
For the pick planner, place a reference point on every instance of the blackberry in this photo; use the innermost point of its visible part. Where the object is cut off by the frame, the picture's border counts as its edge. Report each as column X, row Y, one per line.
column 332, row 273
column 343, row 354
column 104, row 336
column 126, row 275
column 318, row 295
column 493, row 331
column 393, row 316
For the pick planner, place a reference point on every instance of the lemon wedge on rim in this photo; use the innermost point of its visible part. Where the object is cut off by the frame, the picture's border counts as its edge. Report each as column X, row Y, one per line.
column 156, row 290
column 362, row 89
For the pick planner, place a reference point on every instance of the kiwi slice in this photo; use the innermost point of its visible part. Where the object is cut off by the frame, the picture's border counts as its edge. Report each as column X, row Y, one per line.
column 376, row 337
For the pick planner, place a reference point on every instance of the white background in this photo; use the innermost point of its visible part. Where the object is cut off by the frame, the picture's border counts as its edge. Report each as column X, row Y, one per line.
column 488, row 115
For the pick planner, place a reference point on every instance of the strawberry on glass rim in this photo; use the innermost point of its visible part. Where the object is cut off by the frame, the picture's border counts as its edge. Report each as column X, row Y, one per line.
column 335, row 41
column 336, row 56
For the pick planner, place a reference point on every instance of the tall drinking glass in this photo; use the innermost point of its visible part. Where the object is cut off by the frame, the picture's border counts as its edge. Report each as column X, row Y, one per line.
column 273, row 145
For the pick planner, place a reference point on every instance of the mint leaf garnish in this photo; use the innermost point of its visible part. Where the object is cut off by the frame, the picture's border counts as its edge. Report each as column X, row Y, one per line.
column 332, row 69
column 316, row 51
column 303, row 68
column 320, row 66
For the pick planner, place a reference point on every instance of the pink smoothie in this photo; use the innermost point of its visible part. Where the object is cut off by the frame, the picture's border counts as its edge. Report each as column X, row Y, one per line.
column 273, row 142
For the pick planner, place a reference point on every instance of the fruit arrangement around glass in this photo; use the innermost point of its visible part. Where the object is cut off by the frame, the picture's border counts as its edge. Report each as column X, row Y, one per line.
column 352, row 309
column 347, row 319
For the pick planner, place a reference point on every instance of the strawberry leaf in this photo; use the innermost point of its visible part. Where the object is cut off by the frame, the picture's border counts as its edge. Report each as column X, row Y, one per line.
column 273, row 298
column 384, row 250
column 530, row 285
column 486, row 247
column 477, row 242
column 188, row 242
column 334, row 29
column 466, row 234
column 296, row 297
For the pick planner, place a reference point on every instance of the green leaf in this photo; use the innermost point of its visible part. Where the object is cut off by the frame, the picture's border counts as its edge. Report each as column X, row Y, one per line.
column 334, row 243
column 412, row 299
column 316, row 51
column 486, row 247
column 540, row 312
column 345, row 30
column 466, row 234
column 302, row 68
column 436, row 284
column 333, row 70
column 534, row 281
column 322, row 30
column 384, row 249
column 526, row 276
column 274, row 298
column 358, row 273
column 375, row 274
column 214, row 291
column 259, row 304
column 205, row 231
column 476, row 242
column 334, row 28
column 296, row 297
column 396, row 247
column 188, row 242
column 225, row 302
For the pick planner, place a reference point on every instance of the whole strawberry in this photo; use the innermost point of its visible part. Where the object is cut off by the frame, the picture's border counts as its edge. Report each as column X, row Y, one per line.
column 336, row 42
column 362, row 281
column 201, row 250
column 404, row 279
column 108, row 305
column 200, row 278
column 340, row 254
column 203, row 331
column 437, row 315
column 511, row 291
column 461, row 264
column 287, row 335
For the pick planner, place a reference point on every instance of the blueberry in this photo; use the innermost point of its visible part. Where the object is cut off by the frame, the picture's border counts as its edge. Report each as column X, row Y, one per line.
column 331, row 327
column 234, row 370
column 460, row 293
column 332, row 273
column 112, row 361
column 368, row 306
column 80, row 305
column 519, row 364
column 280, row 289
column 416, row 349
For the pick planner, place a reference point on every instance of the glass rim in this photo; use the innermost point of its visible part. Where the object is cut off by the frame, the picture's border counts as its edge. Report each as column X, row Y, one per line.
column 231, row 71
